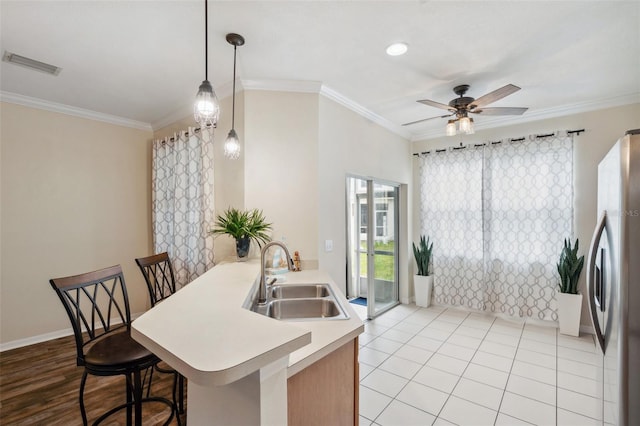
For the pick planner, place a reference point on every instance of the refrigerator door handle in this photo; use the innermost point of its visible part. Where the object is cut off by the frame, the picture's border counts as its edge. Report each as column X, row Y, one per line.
column 593, row 280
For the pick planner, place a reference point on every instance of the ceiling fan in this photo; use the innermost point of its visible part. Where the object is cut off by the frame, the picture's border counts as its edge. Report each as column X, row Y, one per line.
column 463, row 105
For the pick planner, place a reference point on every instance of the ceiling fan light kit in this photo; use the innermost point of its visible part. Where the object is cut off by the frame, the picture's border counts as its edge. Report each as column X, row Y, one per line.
column 462, row 106
column 206, row 109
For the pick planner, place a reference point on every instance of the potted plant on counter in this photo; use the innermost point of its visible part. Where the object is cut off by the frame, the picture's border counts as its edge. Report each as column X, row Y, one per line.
column 422, row 281
column 244, row 226
column 568, row 299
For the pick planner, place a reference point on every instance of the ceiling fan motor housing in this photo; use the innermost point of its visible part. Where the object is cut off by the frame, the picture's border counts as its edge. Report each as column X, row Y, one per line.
column 461, row 103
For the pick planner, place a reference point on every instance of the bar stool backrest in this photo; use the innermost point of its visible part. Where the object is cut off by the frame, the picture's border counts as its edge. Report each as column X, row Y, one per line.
column 97, row 304
column 158, row 273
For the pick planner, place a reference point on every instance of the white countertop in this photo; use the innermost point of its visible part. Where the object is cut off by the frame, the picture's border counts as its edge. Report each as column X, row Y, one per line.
column 204, row 332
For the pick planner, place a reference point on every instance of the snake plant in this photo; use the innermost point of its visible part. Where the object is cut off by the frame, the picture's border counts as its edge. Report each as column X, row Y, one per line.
column 569, row 268
column 422, row 253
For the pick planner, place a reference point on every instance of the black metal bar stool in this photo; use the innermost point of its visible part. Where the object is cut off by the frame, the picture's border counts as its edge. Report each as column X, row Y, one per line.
column 161, row 283
column 98, row 307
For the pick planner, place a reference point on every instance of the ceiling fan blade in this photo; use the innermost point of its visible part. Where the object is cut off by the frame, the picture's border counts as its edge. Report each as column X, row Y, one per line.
column 500, row 111
column 494, row 96
column 437, row 105
column 426, row 119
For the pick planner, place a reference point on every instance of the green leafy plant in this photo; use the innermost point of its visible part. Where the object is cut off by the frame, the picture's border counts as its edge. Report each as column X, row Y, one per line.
column 569, row 268
column 422, row 253
column 243, row 224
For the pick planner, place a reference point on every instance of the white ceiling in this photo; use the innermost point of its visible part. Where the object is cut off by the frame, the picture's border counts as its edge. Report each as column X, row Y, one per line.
column 143, row 60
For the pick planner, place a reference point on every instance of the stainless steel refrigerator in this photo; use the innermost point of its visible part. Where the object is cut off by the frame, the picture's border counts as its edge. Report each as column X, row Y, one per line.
column 613, row 282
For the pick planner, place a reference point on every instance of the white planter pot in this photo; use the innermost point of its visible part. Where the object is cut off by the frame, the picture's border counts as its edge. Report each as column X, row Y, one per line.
column 569, row 309
column 422, row 286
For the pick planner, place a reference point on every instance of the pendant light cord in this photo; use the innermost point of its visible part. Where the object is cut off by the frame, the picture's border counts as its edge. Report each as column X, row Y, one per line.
column 206, row 41
column 233, row 102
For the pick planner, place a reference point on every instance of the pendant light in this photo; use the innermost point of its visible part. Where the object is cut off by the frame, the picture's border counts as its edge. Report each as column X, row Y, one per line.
column 232, row 144
column 206, row 109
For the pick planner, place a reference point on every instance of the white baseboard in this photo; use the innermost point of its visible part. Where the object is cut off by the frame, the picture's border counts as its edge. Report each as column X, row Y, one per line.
column 14, row 344
column 35, row 339
column 584, row 328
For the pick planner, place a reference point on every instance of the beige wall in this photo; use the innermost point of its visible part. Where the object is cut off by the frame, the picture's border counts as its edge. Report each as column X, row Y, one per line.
column 228, row 174
column 351, row 144
column 281, row 165
column 75, row 198
column 76, row 193
column 602, row 130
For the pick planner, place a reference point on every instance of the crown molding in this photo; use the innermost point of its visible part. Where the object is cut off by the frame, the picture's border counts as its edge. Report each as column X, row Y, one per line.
column 324, row 90
column 298, row 86
column 28, row 101
column 177, row 115
column 542, row 114
column 366, row 113
column 319, row 88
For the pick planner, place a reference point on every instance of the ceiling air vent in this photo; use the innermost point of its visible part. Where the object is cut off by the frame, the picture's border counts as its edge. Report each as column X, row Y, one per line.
column 31, row 63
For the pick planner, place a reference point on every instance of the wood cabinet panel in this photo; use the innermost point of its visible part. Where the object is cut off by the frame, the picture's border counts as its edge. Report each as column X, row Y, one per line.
column 326, row 392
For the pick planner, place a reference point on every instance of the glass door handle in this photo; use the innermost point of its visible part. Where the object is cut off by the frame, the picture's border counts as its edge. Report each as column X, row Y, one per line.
column 594, row 278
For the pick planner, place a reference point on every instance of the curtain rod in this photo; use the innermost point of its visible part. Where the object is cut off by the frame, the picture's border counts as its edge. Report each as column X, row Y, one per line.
column 186, row 133
column 520, row 139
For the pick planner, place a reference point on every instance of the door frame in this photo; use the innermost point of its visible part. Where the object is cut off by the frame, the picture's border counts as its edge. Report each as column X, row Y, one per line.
column 371, row 311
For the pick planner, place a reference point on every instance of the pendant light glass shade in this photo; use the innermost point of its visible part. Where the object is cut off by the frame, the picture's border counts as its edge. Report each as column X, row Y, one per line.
column 471, row 129
column 464, row 125
column 232, row 146
column 451, row 128
column 206, row 109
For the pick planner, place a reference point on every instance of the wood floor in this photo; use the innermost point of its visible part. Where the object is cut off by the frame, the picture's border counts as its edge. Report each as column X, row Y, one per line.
column 39, row 386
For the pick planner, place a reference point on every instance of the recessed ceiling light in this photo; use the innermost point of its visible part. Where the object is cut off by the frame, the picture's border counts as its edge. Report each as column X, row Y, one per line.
column 31, row 63
column 397, row 49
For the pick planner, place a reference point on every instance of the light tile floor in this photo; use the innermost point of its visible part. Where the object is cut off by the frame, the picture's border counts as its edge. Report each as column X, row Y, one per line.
column 446, row 366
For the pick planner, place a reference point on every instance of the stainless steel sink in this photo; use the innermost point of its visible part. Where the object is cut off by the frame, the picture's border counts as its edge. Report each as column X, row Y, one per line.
column 302, row 302
column 284, row 309
column 299, row 291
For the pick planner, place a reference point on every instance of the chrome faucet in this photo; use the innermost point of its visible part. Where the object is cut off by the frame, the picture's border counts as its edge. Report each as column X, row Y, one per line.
column 262, row 292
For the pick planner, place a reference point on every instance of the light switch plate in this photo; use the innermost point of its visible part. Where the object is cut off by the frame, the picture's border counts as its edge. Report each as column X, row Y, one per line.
column 328, row 245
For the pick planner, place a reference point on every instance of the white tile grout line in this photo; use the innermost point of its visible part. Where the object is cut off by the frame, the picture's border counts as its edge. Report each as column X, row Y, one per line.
column 434, row 352
column 394, row 398
column 513, row 360
column 468, row 362
column 486, row 332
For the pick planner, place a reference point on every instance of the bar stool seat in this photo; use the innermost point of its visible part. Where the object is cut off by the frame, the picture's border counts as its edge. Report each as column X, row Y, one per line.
column 118, row 351
column 98, row 308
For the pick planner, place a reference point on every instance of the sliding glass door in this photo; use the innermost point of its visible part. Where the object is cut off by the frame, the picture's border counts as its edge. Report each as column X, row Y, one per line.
column 372, row 218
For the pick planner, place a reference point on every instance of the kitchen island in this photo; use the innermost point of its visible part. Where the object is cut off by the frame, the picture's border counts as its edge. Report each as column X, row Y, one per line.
column 248, row 369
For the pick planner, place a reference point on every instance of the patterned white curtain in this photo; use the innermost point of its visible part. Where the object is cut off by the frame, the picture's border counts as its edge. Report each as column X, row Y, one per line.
column 182, row 198
column 526, row 193
column 451, row 199
column 529, row 212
